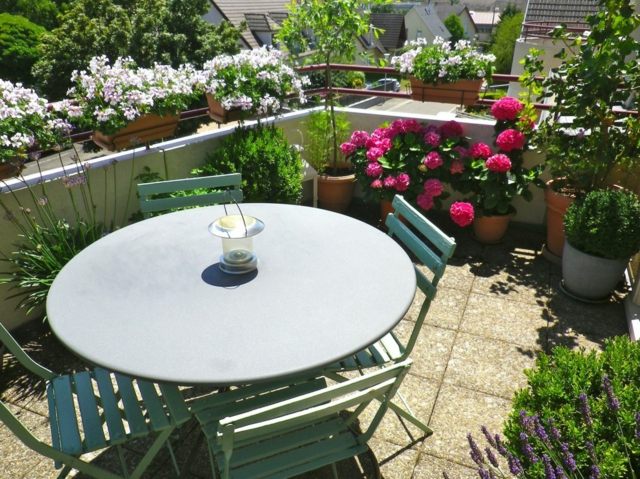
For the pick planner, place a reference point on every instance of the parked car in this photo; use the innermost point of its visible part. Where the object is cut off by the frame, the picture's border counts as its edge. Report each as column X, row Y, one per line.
column 384, row 84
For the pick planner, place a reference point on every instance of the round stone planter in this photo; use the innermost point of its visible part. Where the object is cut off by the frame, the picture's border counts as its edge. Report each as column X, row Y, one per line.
column 590, row 278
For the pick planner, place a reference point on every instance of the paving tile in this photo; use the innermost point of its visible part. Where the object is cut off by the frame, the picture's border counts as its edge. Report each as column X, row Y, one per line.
column 18, row 461
column 420, row 394
column 431, row 351
column 512, row 321
column 395, row 462
column 459, row 411
column 432, row 467
column 458, row 275
column 487, row 365
column 447, row 308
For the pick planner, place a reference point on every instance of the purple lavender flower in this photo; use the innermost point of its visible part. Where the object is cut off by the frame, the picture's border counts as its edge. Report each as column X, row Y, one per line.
column 585, row 409
column 527, row 449
column 488, row 435
column 549, row 472
column 614, row 402
column 527, row 422
column 492, row 457
column 475, row 453
column 553, row 430
column 500, row 446
column 484, row 474
column 560, row 473
column 595, row 472
column 567, row 457
column 638, row 425
column 514, row 465
column 591, row 450
column 540, row 431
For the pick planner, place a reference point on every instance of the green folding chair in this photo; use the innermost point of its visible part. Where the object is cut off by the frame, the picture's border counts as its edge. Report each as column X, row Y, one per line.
column 161, row 195
column 390, row 348
column 92, row 410
column 282, row 430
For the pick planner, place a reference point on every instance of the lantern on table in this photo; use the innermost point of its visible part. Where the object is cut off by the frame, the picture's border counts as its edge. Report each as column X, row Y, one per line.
column 237, row 232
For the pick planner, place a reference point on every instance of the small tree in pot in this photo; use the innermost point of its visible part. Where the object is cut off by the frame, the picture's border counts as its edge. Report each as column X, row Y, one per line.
column 603, row 232
column 330, row 29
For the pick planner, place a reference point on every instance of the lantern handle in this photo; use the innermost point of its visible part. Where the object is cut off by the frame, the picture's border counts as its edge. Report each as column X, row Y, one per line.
column 224, row 205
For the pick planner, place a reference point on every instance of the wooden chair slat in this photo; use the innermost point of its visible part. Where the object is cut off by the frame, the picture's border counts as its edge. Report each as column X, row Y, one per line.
column 133, row 413
column 175, row 402
column 155, row 408
column 109, row 401
column 91, row 422
column 67, row 422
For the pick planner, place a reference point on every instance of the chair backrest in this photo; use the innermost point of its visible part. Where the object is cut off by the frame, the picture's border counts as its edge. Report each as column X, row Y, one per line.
column 435, row 259
column 23, row 358
column 311, row 413
column 226, row 188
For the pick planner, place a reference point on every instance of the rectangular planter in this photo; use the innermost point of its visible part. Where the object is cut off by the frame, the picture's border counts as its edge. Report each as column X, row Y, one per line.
column 140, row 131
column 462, row 92
column 219, row 114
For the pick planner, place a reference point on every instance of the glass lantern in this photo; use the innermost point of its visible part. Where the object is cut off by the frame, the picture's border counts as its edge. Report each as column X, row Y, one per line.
column 237, row 232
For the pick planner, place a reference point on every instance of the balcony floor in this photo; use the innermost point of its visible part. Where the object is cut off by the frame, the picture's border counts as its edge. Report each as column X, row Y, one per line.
column 496, row 308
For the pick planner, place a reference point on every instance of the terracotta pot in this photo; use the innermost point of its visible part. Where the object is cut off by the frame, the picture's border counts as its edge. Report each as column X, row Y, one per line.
column 10, row 170
column 557, row 205
column 490, row 229
column 462, row 92
column 335, row 192
column 219, row 114
column 142, row 130
column 386, row 208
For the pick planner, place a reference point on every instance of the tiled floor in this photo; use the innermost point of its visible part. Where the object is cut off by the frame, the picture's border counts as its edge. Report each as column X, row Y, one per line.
column 496, row 308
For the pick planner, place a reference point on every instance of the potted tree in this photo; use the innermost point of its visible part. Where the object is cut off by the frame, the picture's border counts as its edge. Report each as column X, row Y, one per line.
column 330, row 29
column 125, row 104
column 443, row 72
column 602, row 232
column 250, row 82
column 583, row 137
column 27, row 126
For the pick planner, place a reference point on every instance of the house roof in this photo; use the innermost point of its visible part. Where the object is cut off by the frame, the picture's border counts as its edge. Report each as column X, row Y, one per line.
column 257, row 14
column 485, row 18
column 555, row 12
column 394, row 34
column 432, row 21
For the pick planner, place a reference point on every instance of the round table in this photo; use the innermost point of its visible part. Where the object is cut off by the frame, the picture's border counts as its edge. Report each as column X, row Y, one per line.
column 149, row 300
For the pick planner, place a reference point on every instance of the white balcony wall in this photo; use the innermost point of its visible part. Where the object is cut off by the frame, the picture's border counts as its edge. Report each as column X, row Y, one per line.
column 175, row 159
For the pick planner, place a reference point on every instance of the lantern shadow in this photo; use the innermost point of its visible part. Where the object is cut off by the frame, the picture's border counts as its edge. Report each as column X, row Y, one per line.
column 214, row 276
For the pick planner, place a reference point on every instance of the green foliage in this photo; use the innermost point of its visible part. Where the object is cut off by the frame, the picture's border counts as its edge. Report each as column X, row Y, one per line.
column 335, row 25
column 605, row 223
column 40, row 12
column 319, row 144
column 164, row 31
column 455, row 27
column 584, row 152
column 271, row 168
column 553, row 392
column 509, row 11
column 507, row 32
column 19, row 39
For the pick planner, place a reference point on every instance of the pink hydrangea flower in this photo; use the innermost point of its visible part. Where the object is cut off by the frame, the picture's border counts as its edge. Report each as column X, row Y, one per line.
column 432, row 138
column 359, row 138
column 480, row 150
column 406, row 126
column 511, row 140
column 451, row 129
column 374, row 153
column 462, row 213
column 347, row 148
column 499, row 163
column 457, row 166
column 425, row 201
column 402, row 182
column 389, row 182
column 384, row 144
column 376, row 184
column 432, row 160
column 433, row 187
column 506, row 108
column 373, row 169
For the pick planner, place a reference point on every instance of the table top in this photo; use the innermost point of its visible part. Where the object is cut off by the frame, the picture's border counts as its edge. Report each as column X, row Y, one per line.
column 149, row 300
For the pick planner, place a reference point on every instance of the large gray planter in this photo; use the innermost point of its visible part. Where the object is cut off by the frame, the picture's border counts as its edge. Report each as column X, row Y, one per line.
column 590, row 277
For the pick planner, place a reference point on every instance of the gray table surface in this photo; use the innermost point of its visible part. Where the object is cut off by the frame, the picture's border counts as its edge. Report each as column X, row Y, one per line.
column 149, row 300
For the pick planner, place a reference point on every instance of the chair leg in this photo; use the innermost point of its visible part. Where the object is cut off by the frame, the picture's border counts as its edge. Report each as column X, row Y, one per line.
column 409, row 416
column 65, row 472
column 334, row 470
column 151, row 453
